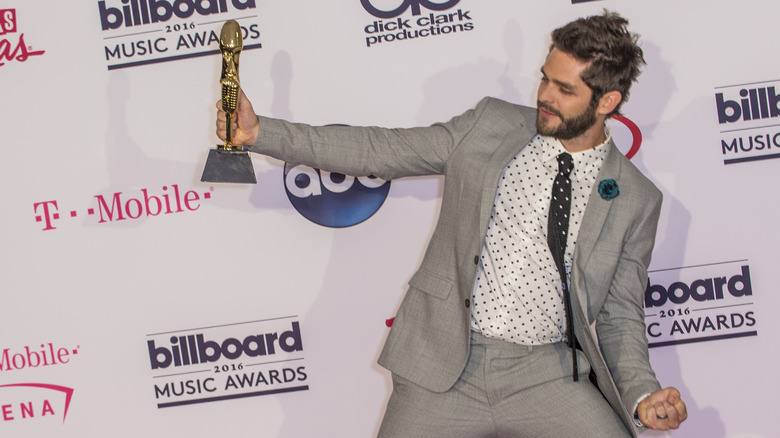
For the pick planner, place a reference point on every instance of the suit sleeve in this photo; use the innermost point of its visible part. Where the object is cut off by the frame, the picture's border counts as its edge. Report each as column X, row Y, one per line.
column 620, row 324
column 363, row 151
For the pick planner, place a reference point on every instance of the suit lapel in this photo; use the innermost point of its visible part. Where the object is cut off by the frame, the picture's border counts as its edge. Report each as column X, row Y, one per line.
column 593, row 219
column 510, row 146
column 593, row 222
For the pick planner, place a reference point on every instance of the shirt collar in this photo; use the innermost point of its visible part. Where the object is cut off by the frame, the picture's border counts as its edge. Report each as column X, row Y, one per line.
column 585, row 162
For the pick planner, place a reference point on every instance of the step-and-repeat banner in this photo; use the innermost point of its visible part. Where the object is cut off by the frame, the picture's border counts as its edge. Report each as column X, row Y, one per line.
column 136, row 300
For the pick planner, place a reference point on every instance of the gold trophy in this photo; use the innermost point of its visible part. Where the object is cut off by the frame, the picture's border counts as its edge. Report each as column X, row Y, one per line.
column 229, row 163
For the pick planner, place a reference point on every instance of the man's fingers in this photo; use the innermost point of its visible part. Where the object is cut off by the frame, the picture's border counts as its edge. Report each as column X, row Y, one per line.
column 244, row 123
column 680, row 413
column 221, row 121
column 664, row 416
column 661, row 411
column 658, row 416
column 673, row 396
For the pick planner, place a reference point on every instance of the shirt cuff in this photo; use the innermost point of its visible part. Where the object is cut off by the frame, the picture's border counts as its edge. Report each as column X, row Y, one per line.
column 635, row 414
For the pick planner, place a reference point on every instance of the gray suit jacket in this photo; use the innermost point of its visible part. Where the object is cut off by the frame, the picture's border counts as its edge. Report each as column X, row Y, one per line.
column 429, row 341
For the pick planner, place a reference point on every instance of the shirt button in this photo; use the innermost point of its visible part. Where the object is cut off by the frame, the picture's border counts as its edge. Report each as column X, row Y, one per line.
column 468, row 303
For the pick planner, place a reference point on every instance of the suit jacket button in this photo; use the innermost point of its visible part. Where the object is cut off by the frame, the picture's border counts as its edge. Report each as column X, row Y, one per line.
column 468, row 303
column 476, row 260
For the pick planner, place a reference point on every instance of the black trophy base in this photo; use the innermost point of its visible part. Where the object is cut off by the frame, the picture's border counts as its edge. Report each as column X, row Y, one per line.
column 224, row 166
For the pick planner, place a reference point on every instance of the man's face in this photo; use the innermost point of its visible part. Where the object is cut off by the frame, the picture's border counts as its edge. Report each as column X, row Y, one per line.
column 565, row 107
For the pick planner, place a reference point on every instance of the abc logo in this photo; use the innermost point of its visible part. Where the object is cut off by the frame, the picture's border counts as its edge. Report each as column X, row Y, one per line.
column 333, row 199
column 405, row 4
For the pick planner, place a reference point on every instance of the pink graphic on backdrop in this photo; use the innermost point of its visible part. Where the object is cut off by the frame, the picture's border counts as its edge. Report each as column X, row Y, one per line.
column 7, row 21
column 7, row 414
column 13, row 50
column 121, row 206
column 635, row 132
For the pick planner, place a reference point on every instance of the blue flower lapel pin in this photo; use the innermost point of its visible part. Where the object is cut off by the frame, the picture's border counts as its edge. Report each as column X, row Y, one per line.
column 608, row 189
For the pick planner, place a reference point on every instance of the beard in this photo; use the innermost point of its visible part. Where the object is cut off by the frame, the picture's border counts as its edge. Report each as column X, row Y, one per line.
column 569, row 127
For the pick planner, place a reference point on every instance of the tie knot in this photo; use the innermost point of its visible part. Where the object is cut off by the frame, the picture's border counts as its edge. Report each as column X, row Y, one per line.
column 565, row 163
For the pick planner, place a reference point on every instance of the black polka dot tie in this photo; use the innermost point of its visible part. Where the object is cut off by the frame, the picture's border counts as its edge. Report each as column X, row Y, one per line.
column 557, row 233
column 560, row 208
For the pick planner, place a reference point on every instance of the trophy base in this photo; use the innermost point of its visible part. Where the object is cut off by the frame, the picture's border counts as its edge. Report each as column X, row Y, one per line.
column 229, row 165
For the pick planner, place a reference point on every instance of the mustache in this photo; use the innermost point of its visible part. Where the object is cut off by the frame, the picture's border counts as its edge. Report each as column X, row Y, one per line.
column 548, row 108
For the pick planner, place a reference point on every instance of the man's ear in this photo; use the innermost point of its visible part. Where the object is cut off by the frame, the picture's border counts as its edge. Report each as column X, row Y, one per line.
column 609, row 101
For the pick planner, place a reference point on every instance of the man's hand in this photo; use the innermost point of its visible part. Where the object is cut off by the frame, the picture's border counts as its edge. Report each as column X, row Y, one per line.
column 246, row 126
column 662, row 410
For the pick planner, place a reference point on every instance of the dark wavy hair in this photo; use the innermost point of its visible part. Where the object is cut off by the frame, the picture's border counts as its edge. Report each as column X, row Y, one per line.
column 604, row 42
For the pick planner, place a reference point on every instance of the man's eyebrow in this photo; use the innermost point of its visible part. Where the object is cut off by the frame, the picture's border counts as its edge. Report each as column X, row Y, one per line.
column 565, row 85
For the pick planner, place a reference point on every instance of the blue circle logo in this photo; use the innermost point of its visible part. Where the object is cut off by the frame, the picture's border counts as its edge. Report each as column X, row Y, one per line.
column 333, row 199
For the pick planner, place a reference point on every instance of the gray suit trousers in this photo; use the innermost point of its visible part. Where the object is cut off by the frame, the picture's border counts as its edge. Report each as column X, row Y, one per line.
column 507, row 390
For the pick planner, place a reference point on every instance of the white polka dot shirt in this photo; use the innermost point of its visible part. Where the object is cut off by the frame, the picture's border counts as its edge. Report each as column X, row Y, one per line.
column 517, row 294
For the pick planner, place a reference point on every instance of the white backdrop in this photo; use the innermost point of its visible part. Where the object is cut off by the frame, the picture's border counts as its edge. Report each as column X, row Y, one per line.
column 116, row 258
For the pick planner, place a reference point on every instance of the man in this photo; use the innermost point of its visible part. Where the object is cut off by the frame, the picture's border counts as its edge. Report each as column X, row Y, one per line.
column 488, row 341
